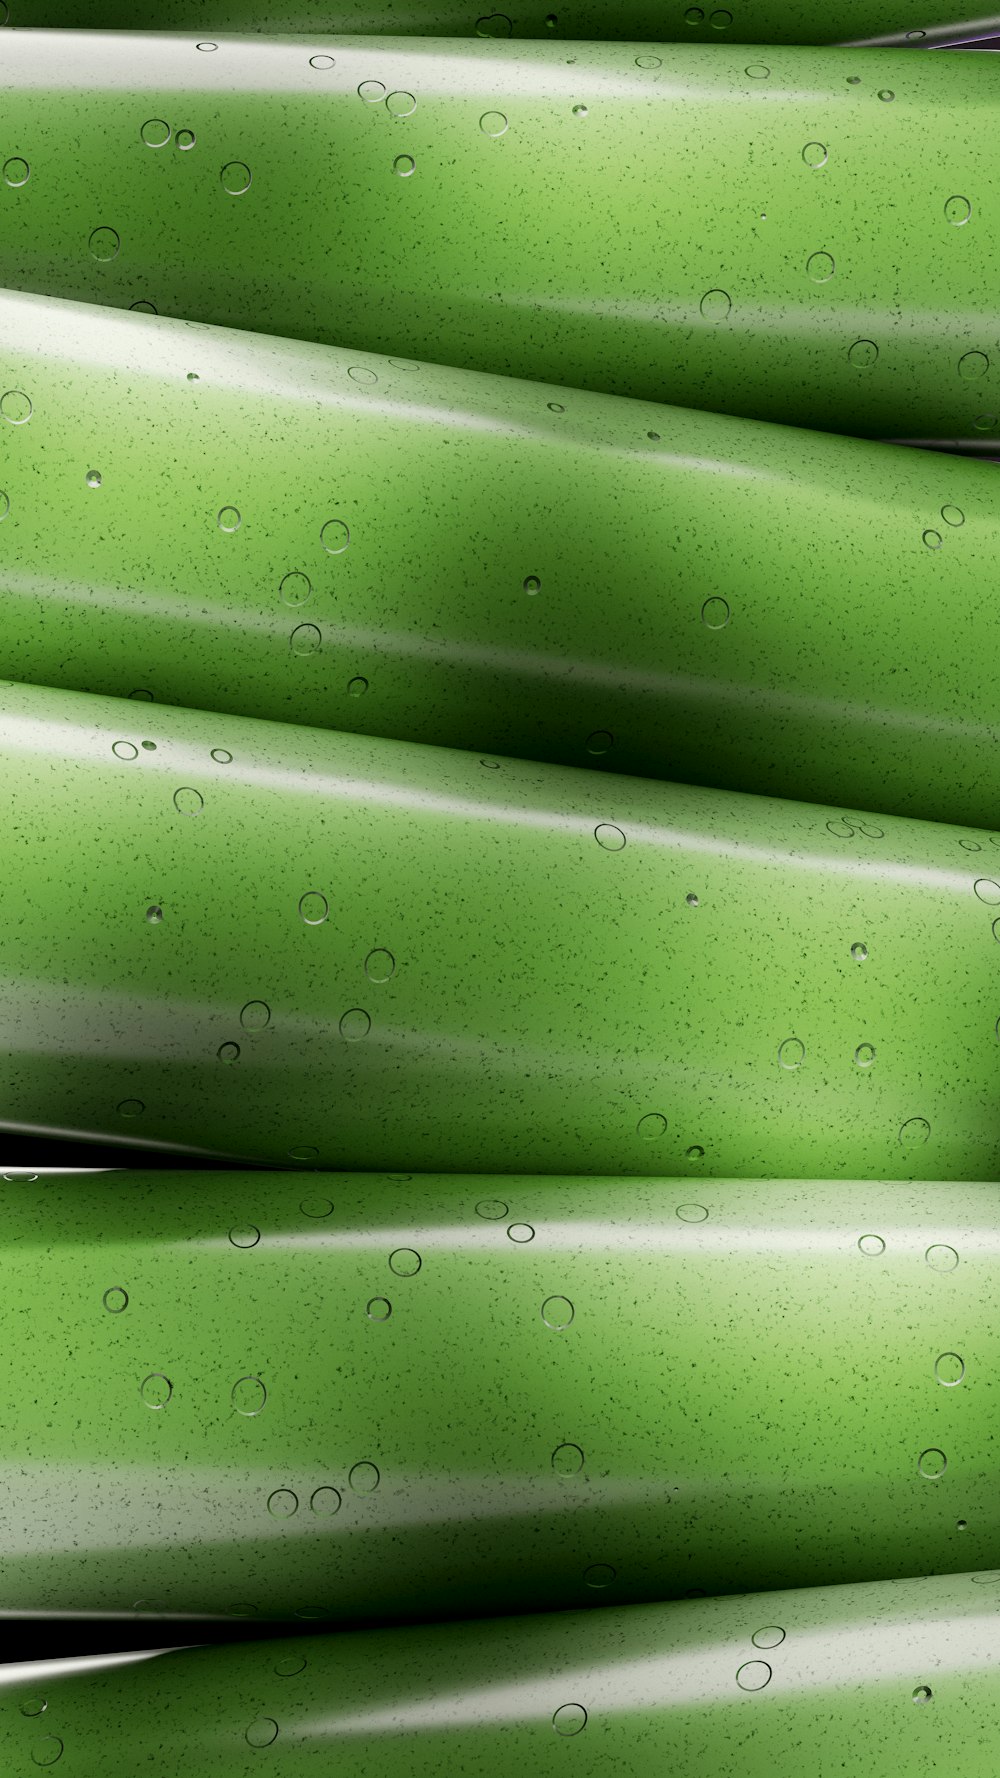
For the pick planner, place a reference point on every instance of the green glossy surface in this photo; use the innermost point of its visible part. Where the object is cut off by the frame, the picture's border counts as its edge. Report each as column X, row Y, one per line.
column 229, row 1390
column 740, row 21
column 874, row 1679
column 550, row 578
column 257, row 939
column 821, row 252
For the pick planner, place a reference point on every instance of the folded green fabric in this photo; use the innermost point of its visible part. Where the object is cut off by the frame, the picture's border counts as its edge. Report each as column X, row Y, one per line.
column 802, row 236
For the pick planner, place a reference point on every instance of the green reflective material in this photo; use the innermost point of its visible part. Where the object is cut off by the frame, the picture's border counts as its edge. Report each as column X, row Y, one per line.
column 803, row 237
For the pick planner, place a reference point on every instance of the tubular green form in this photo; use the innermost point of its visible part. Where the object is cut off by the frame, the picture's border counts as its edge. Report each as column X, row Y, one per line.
column 871, row 1678
column 803, row 236
column 238, row 1411
column 333, row 538
column 250, row 938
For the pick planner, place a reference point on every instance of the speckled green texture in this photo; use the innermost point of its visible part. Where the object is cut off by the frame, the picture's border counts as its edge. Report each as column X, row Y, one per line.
column 805, row 237
column 739, row 21
column 558, row 578
column 876, row 1679
column 355, row 1397
column 263, row 940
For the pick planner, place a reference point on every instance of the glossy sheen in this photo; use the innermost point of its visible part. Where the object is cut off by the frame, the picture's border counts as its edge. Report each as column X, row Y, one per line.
column 263, row 940
column 741, row 21
column 551, row 578
column 651, row 1387
column 876, row 1679
column 822, row 251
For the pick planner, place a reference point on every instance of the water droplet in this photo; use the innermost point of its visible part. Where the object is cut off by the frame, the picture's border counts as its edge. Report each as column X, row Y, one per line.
column 492, row 1209
column 104, row 244
column 958, row 210
column 150, row 746
column 16, row 172
column 282, row 1503
column 715, row 614
column 821, row 267
column 567, row 1460
column 316, row 1207
column 33, row 1707
column 93, row 478
column 697, row 1153
column 356, row 688
column 611, row 838
column 771, row 1637
column 193, row 377
column 648, row 62
column 987, row 891
column 854, row 80
column 694, row 15
column 557, row 1312
column 791, row 1053
column 305, row 639
column 985, row 422
column 379, row 965
column 206, row 46
column 378, row 1309
column 569, row 1719
column 493, row 123
column 188, row 801
column 185, row 138
column 229, row 519
column 228, row 1052
column 364, row 1478
column 941, row 1258
column 599, row 1574
column 115, row 1299
column 16, row 407
column 652, row 1125
column 124, row 750
column 654, row 435
column 371, row 91
column 949, row 1369
column 155, row 133
column 404, row 165
column 335, row 537
column 974, row 364
column 405, row 1262
column 922, row 1694
column 156, row 1390
column 720, row 21
column 303, row 1153
column 961, row 1525
column 863, row 354
column 495, row 25
column 971, row 845
column 290, row 1665
column 692, row 1212
column 932, row 1464
column 815, row 154
column 757, row 71
column 401, row 104
column 520, row 1232
column 579, row 110
column 886, row 95
column 245, row 1235
column 932, row 539
column 864, row 1055
column 131, row 1108
column 692, row 901
column 321, row 62
column 360, row 373
column 314, row 907
column 255, row 1015
column 20, row 1178
column 912, row 36
column 235, row 177
column 222, row 756
column 46, row 1751
column 325, row 1501
column 914, row 1131
column 4, row 505
column 716, row 305
column 953, row 515
column 753, row 1676
column 355, row 1024
column 859, row 952
column 262, row 1731
column 248, row 1396
column 872, row 1245
column 295, row 589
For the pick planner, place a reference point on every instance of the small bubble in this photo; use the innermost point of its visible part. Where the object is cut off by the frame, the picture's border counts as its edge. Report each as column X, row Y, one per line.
column 321, row 62
column 949, row 1369
column 282, row 1503
column 971, row 845
column 599, row 1574
column 222, row 756
column 912, row 36
column 532, row 584
column 863, row 354
column 697, row 1153
column 815, row 154
column 555, row 407
column 493, row 123
column 16, row 407
column 93, row 478
column 716, row 305
column 854, row 80
column 371, row 91
column 692, row 1212
column 228, row 1052
column 694, row 15
column 401, row 104
column 228, row 519
column 404, row 165
column 987, row 891
column 124, row 750
column 295, row 588
column 46, row 1751
column 303, row 1154
column 985, row 422
column 235, row 177
column 864, row 1055
column 557, row 1312
column 4, row 505
column 492, row 765
column 520, row 1232
column 290, row 1665
column 492, row 1209
column 914, row 1131
column 355, row 1024
column 193, row 377
column 611, row 838
column 104, row 244
column 648, row 62
column 360, row 373
column 958, row 210
column 255, row 1015
column 364, row 1478
column 16, row 172
column 886, row 95
column 859, row 952
column 922, row 1694
column 974, row 364
column 245, row 1235
column 206, row 46
column 771, row 1637
column 33, row 1707
column 567, row 1460
column 185, row 138
column 248, row 1396
column 316, row 1207
column 115, row 1299
column 791, row 1053
column 715, row 614
column 325, row 1501
column 131, row 1108
column 155, row 133
column 941, row 1258
column 569, row 1719
column 405, row 1262
column 757, row 71
column 378, row 1308
column 720, row 21
column 150, row 746
column 932, row 539
column 654, row 435
column 872, row 1245
column 314, row 907
column 306, row 639
column 262, row 1731
column 188, row 801
column 379, row 965
column 961, row 1525
column 821, row 267
column 335, row 537
column 652, row 1125
column 692, row 901
column 932, row 1464
column 156, row 1390
column 357, row 687
column 753, row 1676
column 953, row 515
column 579, row 110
